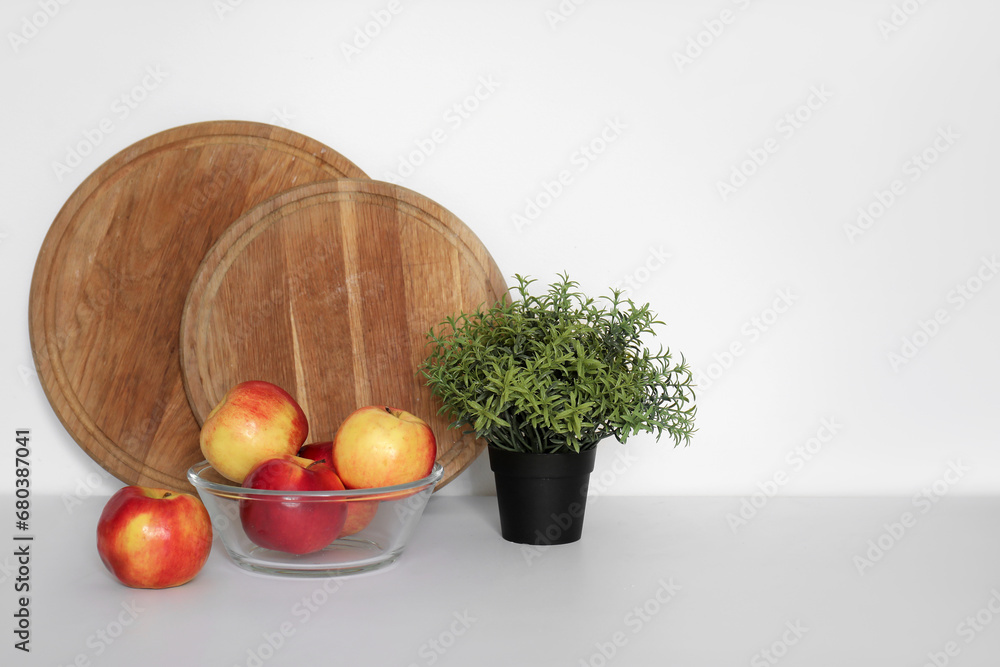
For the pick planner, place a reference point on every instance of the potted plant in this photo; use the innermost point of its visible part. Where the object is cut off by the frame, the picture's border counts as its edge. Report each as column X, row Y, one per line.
column 543, row 379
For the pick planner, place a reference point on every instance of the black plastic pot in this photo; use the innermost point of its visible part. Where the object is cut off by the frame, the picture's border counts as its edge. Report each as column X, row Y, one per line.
column 542, row 497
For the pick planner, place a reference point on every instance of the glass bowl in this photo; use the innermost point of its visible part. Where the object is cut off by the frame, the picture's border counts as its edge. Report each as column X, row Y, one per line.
column 394, row 512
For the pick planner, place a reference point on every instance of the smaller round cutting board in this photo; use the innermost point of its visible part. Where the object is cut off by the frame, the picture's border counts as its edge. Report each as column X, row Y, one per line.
column 328, row 290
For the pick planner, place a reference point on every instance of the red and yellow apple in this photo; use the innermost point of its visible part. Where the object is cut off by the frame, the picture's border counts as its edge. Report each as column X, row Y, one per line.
column 382, row 446
column 285, row 523
column 359, row 512
column 255, row 421
column 153, row 538
column 318, row 451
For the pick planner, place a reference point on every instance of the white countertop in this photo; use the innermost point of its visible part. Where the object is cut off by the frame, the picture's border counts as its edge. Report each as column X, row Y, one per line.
column 654, row 581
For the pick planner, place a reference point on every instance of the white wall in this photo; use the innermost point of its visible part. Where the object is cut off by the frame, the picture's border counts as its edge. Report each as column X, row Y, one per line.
column 885, row 86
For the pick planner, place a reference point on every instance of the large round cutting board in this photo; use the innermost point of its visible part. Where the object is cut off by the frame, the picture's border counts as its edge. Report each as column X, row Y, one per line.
column 329, row 290
column 115, row 268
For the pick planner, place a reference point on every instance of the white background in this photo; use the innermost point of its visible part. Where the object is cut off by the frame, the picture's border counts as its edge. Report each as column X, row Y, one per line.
column 884, row 81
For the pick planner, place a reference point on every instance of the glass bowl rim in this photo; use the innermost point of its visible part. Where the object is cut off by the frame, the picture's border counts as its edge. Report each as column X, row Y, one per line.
column 375, row 493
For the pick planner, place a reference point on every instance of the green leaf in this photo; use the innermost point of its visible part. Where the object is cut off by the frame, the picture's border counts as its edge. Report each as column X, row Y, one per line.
column 558, row 370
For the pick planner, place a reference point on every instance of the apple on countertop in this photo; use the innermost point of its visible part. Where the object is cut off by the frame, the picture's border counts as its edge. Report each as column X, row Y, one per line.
column 153, row 538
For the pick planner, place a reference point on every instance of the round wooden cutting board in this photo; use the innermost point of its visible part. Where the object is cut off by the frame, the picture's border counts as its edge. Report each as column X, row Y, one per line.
column 114, row 270
column 328, row 291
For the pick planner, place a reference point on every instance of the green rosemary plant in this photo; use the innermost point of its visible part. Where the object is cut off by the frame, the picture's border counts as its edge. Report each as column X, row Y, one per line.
column 558, row 372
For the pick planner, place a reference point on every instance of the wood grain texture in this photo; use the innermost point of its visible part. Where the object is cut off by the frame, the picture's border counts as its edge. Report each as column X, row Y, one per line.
column 114, row 270
column 329, row 290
